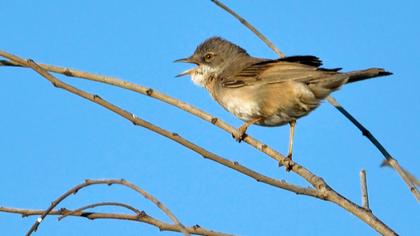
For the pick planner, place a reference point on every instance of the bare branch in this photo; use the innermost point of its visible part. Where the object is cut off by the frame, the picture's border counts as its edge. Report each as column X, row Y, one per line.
column 75, row 189
column 143, row 218
column 363, row 187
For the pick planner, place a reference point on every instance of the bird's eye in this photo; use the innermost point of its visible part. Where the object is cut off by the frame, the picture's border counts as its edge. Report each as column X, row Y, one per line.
column 208, row 57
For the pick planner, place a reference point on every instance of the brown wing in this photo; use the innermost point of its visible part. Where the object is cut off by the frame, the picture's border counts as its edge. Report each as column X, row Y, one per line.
column 297, row 68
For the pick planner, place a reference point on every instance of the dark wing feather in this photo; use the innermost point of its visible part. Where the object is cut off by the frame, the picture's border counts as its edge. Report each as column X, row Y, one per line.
column 305, row 60
column 256, row 68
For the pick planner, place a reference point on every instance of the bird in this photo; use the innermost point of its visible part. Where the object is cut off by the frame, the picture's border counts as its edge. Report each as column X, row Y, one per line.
column 266, row 92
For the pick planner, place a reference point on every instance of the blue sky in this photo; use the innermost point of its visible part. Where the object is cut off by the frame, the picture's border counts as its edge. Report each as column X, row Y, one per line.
column 52, row 140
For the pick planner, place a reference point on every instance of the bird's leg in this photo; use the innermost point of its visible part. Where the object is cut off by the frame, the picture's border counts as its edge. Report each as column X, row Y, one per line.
column 240, row 134
column 292, row 133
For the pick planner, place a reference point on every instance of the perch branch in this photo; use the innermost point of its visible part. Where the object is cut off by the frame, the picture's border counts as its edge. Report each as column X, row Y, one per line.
column 142, row 218
column 321, row 189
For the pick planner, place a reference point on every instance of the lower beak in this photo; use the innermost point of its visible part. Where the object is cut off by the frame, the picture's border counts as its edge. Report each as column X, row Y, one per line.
column 187, row 72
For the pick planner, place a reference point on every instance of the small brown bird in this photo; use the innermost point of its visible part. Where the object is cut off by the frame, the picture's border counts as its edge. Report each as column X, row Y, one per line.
column 262, row 91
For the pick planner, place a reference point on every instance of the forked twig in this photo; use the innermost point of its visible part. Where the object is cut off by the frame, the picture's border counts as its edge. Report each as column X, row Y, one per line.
column 143, row 218
column 75, row 189
column 334, row 103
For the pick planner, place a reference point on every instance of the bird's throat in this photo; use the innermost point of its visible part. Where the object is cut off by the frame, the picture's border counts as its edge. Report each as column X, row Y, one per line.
column 201, row 75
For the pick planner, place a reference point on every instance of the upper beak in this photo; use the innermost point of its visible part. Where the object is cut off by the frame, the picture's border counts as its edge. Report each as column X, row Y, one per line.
column 186, row 60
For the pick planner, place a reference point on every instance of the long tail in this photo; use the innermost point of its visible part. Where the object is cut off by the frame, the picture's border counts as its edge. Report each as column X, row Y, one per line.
column 359, row 75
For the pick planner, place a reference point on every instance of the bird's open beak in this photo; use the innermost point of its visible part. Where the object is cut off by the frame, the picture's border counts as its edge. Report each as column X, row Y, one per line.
column 189, row 71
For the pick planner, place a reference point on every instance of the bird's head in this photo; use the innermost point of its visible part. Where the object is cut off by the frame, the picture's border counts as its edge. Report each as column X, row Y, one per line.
column 211, row 57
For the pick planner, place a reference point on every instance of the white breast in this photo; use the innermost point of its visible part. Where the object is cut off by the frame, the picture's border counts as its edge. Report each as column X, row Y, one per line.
column 244, row 110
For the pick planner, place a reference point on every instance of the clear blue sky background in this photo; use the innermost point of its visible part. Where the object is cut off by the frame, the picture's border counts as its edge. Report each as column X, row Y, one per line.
column 51, row 140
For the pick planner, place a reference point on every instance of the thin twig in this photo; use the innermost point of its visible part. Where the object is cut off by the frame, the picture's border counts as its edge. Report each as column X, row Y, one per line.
column 363, row 187
column 90, row 206
column 142, row 218
column 331, row 100
column 249, row 26
column 88, row 182
column 356, row 123
column 388, row 158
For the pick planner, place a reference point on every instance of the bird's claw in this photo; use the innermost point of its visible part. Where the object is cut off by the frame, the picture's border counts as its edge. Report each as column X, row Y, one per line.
column 239, row 135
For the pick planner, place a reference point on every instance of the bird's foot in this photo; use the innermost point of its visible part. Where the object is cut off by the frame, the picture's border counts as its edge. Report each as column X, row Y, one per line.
column 240, row 134
column 287, row 163
column 288, row 166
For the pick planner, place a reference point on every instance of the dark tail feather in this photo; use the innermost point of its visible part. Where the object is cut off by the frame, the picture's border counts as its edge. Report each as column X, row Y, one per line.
column 359, row 75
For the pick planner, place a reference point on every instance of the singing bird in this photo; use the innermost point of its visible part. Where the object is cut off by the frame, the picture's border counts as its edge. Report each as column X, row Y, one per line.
column 263, row 91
